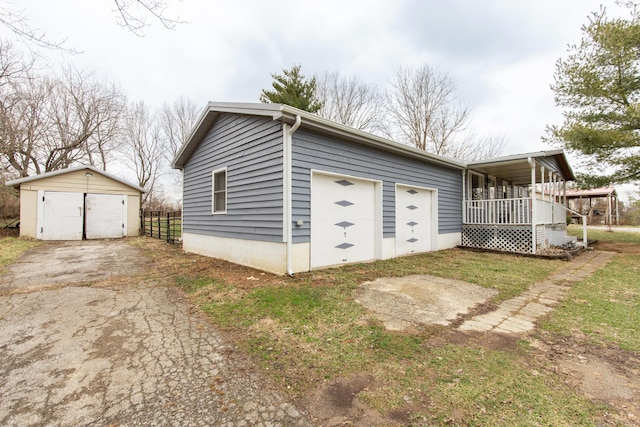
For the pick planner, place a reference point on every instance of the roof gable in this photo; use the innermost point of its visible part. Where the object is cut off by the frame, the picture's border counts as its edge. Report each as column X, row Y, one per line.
column 92, row 169
column 287, row 114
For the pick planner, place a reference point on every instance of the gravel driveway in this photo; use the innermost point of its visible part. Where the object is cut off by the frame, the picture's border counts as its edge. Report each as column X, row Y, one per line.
column 134, row 355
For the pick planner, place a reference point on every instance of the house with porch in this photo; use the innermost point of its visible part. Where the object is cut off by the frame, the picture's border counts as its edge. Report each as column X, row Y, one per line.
column 284, row 190
column 518, row 203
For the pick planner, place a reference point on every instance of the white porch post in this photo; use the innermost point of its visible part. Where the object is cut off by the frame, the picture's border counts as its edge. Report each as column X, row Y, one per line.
column 464, row 196
column 609, row 216
column 534, row 238
column 552, row 196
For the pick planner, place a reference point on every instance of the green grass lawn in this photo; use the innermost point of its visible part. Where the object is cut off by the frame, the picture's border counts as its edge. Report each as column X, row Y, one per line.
column 307, row 331
column 310, row 330
column 605, row 235
column 605, row 308
column 11, row 248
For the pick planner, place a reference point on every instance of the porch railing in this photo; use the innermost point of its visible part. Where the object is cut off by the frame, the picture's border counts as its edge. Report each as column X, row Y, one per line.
column 514, row 211
column 498, row 211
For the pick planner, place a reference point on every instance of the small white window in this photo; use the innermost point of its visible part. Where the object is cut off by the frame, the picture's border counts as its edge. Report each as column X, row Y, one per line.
column 220, row 191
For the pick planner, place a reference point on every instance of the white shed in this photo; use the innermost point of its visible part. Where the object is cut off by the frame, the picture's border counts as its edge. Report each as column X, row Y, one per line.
column 78, row 203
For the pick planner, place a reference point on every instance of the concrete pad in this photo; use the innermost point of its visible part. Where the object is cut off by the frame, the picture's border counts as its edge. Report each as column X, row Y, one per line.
column 405, row 301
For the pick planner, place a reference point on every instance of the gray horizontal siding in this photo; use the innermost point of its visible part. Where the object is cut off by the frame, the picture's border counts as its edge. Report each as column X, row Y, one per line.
column 315, row 151
column 251, row 150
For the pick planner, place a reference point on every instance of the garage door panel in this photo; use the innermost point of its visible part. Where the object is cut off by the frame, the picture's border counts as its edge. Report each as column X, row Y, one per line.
column 105, row 216
column 62, row 216
column 413, row 220
column 343, row 220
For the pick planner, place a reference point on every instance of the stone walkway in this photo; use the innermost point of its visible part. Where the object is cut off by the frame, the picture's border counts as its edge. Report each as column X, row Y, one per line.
column 519, row 314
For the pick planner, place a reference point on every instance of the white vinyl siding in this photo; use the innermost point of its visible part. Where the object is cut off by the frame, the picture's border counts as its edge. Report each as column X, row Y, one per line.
column 219, row 191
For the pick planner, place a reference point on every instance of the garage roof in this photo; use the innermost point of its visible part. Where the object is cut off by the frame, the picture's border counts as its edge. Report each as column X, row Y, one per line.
column 287, row 114
column 16, row 182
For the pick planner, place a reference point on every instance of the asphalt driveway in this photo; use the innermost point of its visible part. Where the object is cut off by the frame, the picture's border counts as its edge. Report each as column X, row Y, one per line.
column 72, row 353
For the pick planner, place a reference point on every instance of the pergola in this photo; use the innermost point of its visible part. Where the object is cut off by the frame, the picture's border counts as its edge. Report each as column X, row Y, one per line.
column 586, row 201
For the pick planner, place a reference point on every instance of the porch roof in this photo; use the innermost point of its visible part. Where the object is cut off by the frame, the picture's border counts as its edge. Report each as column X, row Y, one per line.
column 516, row 168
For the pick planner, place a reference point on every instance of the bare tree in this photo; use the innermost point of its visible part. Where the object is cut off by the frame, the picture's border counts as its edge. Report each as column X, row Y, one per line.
column 176, row 122
column 49, row 123
column 350, row 101
column 132, row 15
column 12, row 65
column 24, row 125
column 470, row 146
column 17, row 23
column 85, row 115
column 143, row 148
column 423, row 107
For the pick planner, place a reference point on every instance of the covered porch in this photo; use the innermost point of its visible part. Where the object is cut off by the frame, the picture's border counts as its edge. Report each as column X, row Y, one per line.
column 518, row 203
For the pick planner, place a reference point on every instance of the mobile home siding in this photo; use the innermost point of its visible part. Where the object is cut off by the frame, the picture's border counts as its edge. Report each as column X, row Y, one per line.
column 251, row 149
column 319, row 152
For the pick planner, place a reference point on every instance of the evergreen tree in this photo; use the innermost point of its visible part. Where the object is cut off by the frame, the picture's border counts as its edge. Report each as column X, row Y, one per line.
column 599, row 86
column 292, row 88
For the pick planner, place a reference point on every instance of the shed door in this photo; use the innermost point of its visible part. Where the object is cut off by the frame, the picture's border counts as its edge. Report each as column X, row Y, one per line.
column 106, row 216
column 413, row 220
column 342, row 220
column 62, row 216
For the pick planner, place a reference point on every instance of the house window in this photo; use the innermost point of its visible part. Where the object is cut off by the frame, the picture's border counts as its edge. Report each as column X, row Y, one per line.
column 493, row 188
column 220, row 191
column 476, row 186
column 505, row 189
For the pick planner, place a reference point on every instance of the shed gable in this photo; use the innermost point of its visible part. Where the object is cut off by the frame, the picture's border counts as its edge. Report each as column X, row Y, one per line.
column 79, row 180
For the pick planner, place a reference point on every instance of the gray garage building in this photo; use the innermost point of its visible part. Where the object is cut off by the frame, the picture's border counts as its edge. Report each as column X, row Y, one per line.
column 78, row 203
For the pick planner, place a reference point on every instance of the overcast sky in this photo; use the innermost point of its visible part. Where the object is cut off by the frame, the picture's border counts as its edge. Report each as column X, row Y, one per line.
column 501, row 53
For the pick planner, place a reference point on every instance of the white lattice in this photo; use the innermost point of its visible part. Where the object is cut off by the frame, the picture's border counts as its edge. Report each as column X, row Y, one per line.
column 542, row 236
column 507, row 238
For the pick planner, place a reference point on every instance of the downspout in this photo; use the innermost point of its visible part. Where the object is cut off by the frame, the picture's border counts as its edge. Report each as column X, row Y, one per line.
column 534, row 239
column 288, row 192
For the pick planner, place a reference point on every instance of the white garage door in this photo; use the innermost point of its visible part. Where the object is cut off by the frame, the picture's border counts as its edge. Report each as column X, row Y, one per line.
column 61, row 216
column 413, row 220
column 343, row 223
column 106, row 216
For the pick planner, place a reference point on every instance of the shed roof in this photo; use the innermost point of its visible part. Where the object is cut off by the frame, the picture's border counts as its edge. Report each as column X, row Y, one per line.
column 287, row 114
column 17, row 182
column 515, row 168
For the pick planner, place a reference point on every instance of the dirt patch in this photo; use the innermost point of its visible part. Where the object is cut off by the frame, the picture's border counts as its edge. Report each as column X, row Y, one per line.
column 619, row 247
column 608, row 375
column 338, row 404
column 173, row 261
column 420, row 300
column 9, row 232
